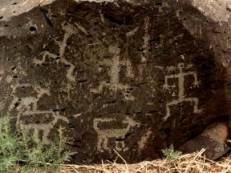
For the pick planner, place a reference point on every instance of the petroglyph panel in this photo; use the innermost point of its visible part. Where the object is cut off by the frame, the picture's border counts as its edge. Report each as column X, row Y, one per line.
column 113, row 76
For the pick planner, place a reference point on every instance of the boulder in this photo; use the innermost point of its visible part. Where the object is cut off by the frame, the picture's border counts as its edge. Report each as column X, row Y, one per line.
column 210, row 22
column 121, row 76
column 213, row 139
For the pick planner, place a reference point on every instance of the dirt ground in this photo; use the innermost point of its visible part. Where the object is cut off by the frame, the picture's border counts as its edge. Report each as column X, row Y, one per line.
column 190, row 163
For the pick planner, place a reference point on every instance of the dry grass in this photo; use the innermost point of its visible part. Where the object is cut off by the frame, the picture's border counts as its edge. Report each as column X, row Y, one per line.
column 189, row 163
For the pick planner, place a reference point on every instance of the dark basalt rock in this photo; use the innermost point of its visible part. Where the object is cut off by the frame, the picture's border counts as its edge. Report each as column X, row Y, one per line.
column 114, row 76
column 210, row 22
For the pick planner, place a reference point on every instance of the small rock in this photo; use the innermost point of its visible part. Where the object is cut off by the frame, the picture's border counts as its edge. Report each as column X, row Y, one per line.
column 213, row 139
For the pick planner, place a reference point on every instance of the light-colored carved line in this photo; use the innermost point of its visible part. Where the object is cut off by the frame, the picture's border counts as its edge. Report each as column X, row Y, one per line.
column 69, row 31
column 114, row 73
column 45, row 128
column 104, row 135
column 180, row 76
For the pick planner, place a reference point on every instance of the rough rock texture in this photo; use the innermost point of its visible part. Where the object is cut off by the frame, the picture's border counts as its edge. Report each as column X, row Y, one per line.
column 114, row 76
column 210, row 21
column 213, row 140
column 9, row 8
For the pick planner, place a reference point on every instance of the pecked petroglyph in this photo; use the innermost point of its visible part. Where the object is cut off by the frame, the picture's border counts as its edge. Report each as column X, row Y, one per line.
column 108, row 61
column 27, row 106
column 146, row 40
column 118, row 135
column 1, row 74
column 146, row 48
column 45, row 55
column 44, row 128
column 132, row 32
column 27, row 103
column 115, row 66
column 69, row 30
column 180, row 76
column 144, row 139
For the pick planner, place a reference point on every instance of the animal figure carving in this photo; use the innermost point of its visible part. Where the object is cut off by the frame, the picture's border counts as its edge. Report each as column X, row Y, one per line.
column 27, row 103
column 44, row 128
column 27, row 106
column 104, row 135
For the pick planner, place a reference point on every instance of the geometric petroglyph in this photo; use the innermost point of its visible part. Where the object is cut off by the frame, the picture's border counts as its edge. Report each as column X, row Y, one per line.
column 117, row 135
column 115, row 64
column 180, row 76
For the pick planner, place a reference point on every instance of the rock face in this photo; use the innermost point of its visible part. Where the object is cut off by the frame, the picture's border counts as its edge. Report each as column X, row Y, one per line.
column 210, row 21
column 114, row 76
